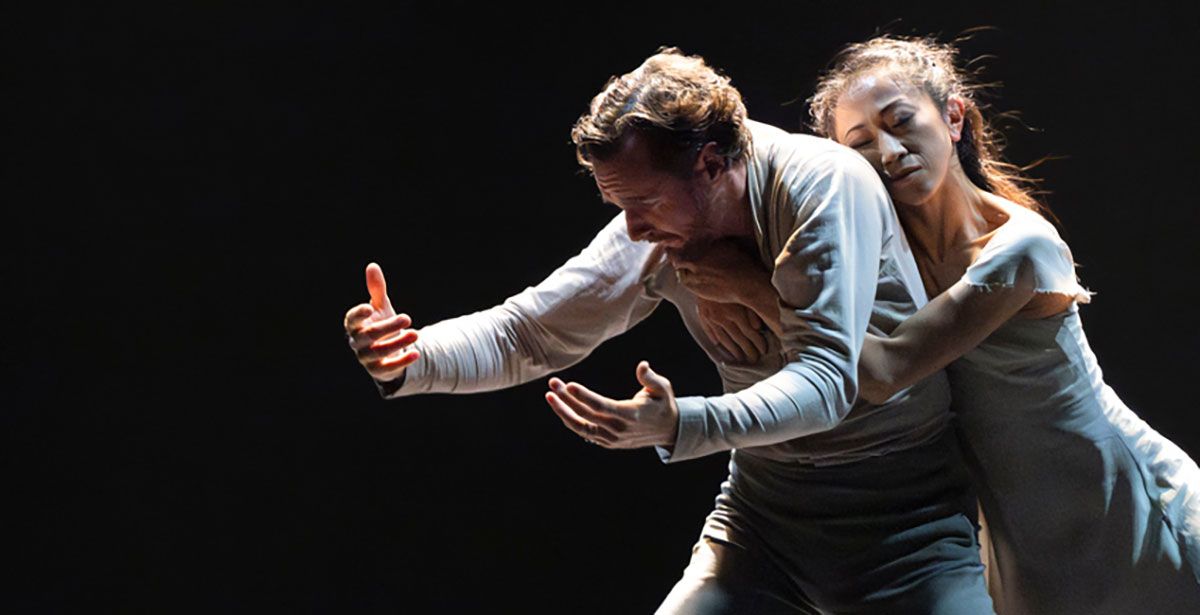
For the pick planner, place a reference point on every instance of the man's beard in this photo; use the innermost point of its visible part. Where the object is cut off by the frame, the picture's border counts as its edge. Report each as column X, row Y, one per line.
column 700, row 232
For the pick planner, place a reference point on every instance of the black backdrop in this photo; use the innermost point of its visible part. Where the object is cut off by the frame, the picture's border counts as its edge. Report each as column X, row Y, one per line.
column 201, row 191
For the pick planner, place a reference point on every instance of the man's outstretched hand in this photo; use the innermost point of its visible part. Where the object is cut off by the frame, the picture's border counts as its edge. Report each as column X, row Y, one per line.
column 651, row 418
column 377, row 335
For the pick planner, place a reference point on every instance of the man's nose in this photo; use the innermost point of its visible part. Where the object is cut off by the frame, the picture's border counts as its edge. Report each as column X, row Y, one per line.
column 638, row 228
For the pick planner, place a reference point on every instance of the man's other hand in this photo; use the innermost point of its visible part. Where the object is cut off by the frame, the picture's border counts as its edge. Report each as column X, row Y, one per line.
column 650, row 418
column 378, row 336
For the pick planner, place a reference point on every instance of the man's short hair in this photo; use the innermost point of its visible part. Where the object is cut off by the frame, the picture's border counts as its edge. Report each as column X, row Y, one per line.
column 677, row 102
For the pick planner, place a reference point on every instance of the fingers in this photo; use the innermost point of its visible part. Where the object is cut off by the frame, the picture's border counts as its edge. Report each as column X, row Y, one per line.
column 597, row 404
column 356, row 315
column 574, row 422
column 383, row 328
column 400, row 361
column 362, row 337
column 750, row 345
column 708, row 331
column 390, row 368
column 650, row 379
column 756, row 323
column 750, row 353
column 377, row 286
column 709, row 318
column 382, row 349
column 749, row 331
column 589, row 406
column 726, row 341
column 380, row 346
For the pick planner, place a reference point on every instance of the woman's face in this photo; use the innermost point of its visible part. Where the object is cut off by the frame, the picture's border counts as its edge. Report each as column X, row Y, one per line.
column 899, row 129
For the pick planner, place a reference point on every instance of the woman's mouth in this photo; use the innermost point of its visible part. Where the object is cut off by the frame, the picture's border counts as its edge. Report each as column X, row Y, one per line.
column 902, row 174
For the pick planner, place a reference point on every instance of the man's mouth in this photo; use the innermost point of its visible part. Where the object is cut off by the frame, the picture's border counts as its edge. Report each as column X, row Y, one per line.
column 667, row 241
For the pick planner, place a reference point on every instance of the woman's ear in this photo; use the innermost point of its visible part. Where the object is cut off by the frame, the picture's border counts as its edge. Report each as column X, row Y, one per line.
column 956, row 111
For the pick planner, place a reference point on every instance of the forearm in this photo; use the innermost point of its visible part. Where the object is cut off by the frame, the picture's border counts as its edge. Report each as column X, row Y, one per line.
column 484, row 351
column 595, row 295
column 880, row 373
column 803, row 398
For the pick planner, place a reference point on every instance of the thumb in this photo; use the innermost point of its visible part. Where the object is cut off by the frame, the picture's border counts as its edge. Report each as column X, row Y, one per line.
column 651, row 380
column 377, row 286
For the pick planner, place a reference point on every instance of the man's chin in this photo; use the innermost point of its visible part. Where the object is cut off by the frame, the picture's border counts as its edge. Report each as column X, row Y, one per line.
column 688, row 248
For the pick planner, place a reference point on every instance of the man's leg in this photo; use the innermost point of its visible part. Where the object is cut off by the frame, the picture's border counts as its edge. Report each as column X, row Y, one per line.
column 889, row 534
column 725, row 578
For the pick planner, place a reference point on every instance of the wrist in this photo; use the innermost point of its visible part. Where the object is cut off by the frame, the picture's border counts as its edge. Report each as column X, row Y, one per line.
column 671, row 428
column 388, row 388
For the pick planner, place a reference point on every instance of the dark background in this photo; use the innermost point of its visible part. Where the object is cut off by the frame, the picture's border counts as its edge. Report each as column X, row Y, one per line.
column 197, row 190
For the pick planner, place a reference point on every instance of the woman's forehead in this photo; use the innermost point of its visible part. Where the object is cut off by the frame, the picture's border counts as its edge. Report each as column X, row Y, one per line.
column 879, row 88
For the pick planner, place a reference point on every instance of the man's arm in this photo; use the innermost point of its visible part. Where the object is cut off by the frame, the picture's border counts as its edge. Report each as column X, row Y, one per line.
column 826, row 277
column 592, row 297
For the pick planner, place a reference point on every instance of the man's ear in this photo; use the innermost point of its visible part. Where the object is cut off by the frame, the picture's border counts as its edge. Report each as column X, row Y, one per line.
column 956, row 112
column 710, row 162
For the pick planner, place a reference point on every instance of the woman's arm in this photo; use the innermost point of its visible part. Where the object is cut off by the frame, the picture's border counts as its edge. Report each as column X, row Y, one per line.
column 948, row 327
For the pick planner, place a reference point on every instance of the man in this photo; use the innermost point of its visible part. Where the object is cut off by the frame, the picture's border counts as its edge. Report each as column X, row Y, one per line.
column 831, row 505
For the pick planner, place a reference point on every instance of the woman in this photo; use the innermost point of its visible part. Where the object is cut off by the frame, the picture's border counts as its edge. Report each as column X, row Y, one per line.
column 1089, row 509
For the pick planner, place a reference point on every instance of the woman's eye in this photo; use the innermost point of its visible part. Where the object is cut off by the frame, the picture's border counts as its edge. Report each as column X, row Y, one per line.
column 902, row 120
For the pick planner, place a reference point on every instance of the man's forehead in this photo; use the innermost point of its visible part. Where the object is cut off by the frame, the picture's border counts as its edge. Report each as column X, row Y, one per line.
column 627, row 164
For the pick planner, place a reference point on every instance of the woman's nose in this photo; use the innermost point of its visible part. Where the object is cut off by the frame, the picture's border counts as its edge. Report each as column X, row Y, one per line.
column 890, row 149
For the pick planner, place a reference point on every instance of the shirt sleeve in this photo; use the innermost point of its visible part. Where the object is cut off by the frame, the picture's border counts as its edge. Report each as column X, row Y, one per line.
column 826, row 276
column 1028, row 245
column 592, row 297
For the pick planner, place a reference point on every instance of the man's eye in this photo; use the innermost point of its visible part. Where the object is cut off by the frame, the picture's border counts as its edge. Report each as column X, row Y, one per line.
column 902, row 120
column 859, row 145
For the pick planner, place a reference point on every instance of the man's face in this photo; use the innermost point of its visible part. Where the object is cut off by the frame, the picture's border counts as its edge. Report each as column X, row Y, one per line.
column 659, row 206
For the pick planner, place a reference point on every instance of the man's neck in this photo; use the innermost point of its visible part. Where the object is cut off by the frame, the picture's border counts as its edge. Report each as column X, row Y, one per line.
column 734, row 217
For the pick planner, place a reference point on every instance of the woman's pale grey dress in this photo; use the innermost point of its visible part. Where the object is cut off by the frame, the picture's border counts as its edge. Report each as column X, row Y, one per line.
column 1088, row 509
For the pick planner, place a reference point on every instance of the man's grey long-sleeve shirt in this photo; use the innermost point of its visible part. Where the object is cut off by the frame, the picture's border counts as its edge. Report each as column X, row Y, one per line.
column 840, row 262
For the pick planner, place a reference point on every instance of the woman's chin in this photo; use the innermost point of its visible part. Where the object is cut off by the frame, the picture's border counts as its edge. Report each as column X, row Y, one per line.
column 913, row 195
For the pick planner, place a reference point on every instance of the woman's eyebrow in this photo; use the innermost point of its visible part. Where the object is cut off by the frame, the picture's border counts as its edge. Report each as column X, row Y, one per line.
column 850, row 130
column 899, row 100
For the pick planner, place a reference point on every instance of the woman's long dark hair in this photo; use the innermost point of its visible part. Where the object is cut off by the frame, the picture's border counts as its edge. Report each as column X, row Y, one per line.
column 933, row 67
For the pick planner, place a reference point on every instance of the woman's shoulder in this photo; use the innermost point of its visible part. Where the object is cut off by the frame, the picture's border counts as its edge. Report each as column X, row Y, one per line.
column 1027, row 235
column 1027, row 242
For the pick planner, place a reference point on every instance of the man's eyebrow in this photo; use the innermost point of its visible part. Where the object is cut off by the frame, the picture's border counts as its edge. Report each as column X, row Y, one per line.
column 637, row 198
